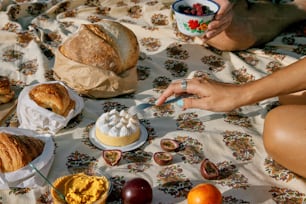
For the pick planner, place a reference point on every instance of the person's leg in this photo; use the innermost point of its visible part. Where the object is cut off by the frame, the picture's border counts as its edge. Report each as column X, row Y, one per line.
column 258, row 23
column 298, row 98
column 284, row 137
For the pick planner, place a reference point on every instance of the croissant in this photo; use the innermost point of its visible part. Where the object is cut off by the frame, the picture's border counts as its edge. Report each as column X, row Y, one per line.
column 18, row 151
column 54, row 97
column 6, row 94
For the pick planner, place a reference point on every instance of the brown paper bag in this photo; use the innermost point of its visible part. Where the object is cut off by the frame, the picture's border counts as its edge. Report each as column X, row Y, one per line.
column 91, row 81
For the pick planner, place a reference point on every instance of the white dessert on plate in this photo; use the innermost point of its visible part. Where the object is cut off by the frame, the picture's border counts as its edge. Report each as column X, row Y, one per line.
column 116, row 128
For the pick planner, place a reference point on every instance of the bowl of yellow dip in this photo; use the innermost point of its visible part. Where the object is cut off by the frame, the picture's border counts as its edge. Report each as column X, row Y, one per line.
column 81, row 188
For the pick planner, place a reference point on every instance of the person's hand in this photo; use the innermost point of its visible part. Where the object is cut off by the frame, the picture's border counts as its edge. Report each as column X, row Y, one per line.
column 209, row 95
column 222, row 20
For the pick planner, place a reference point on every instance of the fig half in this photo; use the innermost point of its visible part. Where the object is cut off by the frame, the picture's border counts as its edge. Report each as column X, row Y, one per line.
column 209, row 170
column 162, row 158
column 112, row 157
column 169, row 145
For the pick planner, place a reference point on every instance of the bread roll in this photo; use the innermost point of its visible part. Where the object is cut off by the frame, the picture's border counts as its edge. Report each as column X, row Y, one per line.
column 18, row 151
column 53, row 97
column 108, row 45
column 6, row 94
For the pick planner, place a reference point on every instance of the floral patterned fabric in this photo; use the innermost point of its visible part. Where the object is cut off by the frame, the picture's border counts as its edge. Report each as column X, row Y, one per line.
column 30, row 32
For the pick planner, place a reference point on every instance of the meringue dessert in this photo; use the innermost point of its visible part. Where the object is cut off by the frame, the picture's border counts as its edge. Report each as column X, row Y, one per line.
column 117, row 128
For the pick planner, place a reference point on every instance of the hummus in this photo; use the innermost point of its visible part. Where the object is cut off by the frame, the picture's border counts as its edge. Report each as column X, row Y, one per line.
column 81, row 188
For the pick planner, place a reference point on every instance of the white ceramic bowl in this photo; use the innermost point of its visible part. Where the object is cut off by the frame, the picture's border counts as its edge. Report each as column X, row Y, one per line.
column 193, row 25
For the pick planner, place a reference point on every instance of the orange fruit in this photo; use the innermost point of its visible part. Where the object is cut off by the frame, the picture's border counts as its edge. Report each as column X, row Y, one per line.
column 204, row 193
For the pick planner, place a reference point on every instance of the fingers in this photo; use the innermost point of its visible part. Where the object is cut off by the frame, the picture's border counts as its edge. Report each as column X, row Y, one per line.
column 180, row 87
column 215, row 28
column 221, row 22
column 177, row 87
column 187, row 103
column 225, row 8
column 199, row 89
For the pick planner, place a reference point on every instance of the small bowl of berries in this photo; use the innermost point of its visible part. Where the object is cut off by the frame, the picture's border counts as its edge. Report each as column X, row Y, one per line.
column 193, row 16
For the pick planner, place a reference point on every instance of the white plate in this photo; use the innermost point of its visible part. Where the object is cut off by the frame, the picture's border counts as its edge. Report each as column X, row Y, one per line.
column 143, row 138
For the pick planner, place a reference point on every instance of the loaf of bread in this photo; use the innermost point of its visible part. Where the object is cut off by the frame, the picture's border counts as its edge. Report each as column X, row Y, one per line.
column 53, row 97
column 108, row 45
column 6, row 93
column 17, row 151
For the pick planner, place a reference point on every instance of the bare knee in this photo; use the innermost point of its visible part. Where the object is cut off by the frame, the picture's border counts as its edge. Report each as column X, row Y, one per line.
column 284, row 137
column 273, row 135
column 239, row 35
column 248, row 29
column 225, row 42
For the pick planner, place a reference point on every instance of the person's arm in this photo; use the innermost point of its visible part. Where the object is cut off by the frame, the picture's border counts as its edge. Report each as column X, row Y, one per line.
column 285, row 81
column 216, row 96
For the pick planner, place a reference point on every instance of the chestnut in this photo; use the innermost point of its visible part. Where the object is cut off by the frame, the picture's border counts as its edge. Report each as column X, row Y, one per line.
column 112, row 157
column 169, row 145
column 137, row 191
column 209, row 170
column 162, row 158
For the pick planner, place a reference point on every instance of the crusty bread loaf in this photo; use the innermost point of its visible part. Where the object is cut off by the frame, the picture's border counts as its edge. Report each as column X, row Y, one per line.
column 53, row 97
column 6, row 93
column 18, row 151
column 108, row 45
